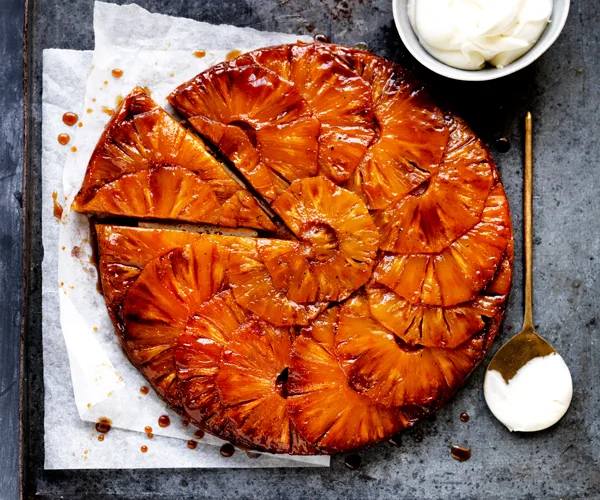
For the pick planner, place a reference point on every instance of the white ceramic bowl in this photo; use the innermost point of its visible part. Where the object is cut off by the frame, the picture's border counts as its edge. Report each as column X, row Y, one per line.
column 558, row 19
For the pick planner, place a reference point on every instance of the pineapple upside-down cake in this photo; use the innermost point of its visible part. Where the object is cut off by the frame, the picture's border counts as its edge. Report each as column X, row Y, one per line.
column 381, row 300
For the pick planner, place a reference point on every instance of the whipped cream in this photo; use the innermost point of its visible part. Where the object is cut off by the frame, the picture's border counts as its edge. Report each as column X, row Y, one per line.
column 535, row 398
column 467, row 33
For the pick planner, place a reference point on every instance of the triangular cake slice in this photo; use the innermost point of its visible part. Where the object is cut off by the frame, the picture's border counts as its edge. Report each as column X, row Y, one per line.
column 148, row 166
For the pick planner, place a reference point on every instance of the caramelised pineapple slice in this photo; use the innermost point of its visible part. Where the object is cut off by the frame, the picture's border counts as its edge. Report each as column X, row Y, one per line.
column 341, row 101
column 372, row 69
column 157, row 307
column 242, row 210
column 457, row 273
column 124, row 251
column 327, row 411
column 336, row 95
column 438, row 326
column 413, row 134
column 432, row 326
column 160, row 193
column 288, row 282
column 382, row 366
column 276, row 59
column 341, row 241
column 235, row 144
column 146, row 165
column 451, row 203
column 250, row 107
column 198, row 352
column 254, row 287
column 252, row 385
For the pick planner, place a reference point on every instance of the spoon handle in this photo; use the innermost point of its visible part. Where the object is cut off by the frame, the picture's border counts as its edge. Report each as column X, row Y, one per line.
column 528, row 223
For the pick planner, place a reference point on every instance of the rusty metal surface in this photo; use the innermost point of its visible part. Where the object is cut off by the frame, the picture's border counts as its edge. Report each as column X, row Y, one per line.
column 562, row 89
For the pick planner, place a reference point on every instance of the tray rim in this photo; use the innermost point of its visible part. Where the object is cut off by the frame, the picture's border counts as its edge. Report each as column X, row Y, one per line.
column 26, row 241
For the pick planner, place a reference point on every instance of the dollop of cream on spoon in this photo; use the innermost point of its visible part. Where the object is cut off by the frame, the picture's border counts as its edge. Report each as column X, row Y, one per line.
column 466, row 34
column 535, row 398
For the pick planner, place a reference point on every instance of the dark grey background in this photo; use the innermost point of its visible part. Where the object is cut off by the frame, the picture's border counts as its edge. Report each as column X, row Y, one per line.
column 11, row 158
column 562, row 90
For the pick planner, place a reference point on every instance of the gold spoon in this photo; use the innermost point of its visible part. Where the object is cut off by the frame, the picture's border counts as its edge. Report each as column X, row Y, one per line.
column 540, row 394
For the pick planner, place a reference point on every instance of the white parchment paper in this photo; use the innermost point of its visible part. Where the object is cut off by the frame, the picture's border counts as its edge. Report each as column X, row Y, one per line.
column 85, row 372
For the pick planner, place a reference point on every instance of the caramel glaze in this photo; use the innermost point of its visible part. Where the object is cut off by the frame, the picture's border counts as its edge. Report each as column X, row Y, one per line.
column 117, row 73
column 514, row 355
column 58, row 209
column 94, row 257
column 227, row 450
column 164, row 421
column 63, row 139
column 503, row 145
column 233, row 54
column 144, row 389
column 353, row 461
column 464, row 417
column 191, row 444
column 108, row 111
column 101, row 437
column 144, row 448
column 460, row 453
column 103, row 425
column 200, row 53
column 396, row 440
column 199, row 434
column 70, row 118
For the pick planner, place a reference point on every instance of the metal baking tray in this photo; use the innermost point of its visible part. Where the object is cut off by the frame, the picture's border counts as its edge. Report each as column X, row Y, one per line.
column 563, row 91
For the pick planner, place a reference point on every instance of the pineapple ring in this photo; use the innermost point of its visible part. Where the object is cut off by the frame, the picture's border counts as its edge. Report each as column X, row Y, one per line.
column 234, row 143
column 148, row 165
column 412, row 136
column 448, row 205
column 157, row 307
column 125, row 251
column 336, row 95
column 457, row 273
column 161, row 193
column 254, row 288
column 252, row 385
column 391, row 372
column 327, row 411
column 250, row 107
column 197, row 356
column 287, row 282
column 340, row 239
column 341, row 101
column 434, row 326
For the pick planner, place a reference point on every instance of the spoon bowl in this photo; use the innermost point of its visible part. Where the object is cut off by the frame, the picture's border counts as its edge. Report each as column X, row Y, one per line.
column 517, row 352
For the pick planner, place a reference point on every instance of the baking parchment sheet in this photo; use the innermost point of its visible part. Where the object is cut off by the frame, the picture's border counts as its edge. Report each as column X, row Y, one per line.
column 86, row 375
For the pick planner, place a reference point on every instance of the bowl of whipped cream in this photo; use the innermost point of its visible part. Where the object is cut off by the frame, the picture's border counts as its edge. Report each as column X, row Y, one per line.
column 478, row 40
